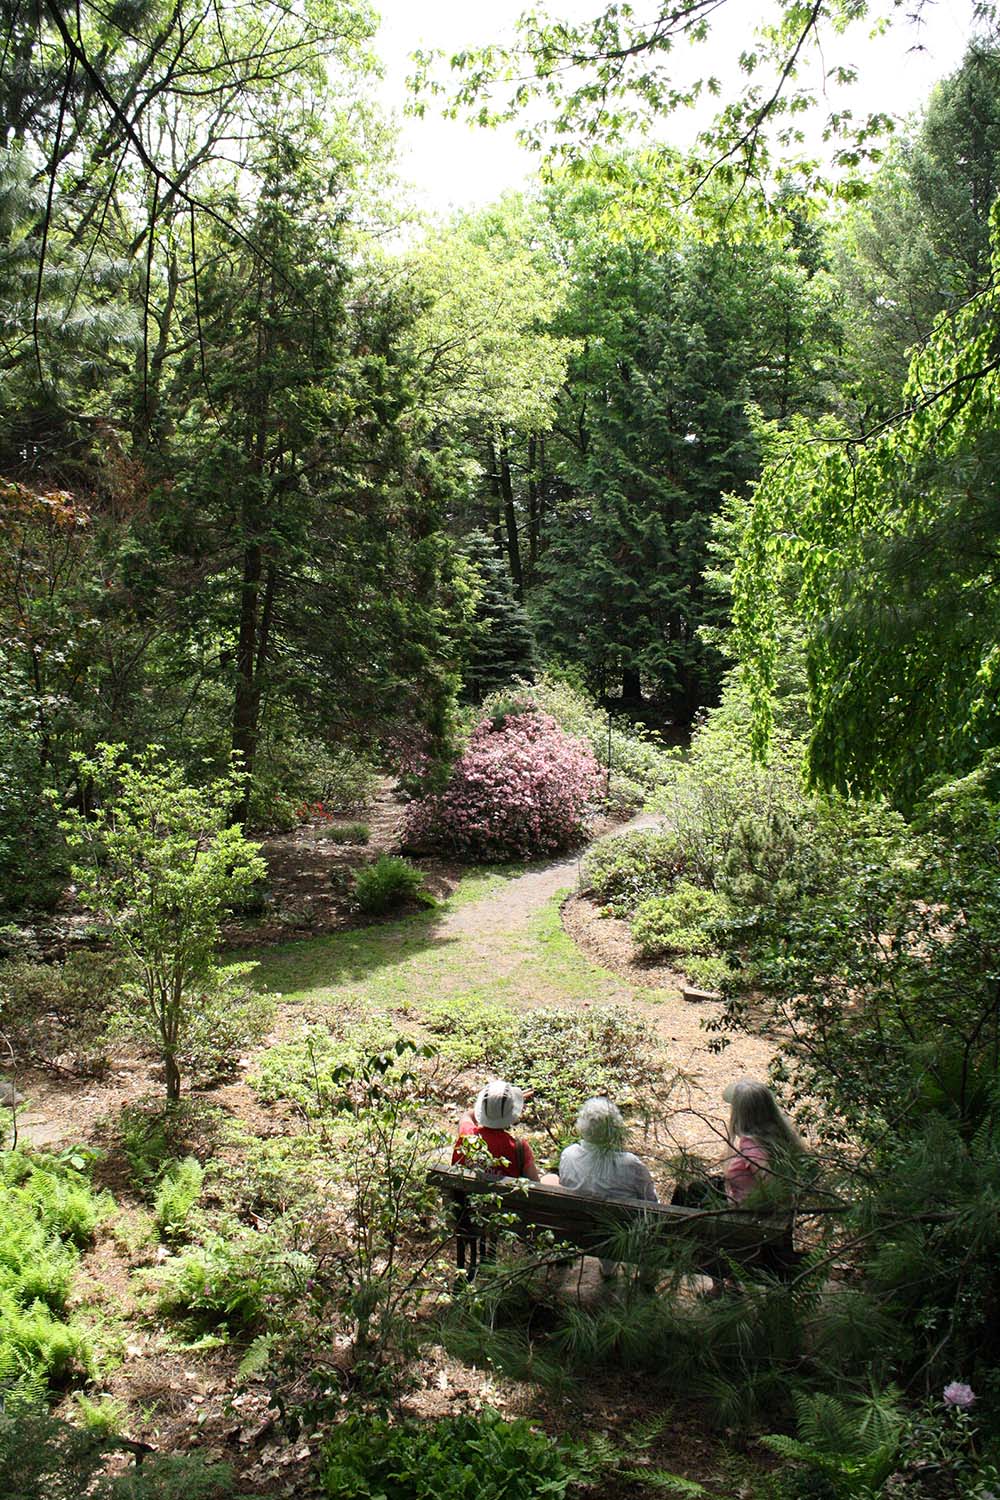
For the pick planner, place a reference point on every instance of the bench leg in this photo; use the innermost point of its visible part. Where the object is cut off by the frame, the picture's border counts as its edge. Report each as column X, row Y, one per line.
column 472, row 1247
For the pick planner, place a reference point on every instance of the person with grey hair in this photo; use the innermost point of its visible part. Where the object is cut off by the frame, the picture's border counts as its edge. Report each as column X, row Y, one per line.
column 598, row 1163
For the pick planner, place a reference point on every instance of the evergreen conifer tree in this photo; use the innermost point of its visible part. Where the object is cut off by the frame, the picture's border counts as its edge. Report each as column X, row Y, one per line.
column 502, row 644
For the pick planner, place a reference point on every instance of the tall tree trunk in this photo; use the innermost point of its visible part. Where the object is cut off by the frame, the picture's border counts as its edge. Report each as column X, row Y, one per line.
column 533, row 503
column 510, row 520
column 631, row 685
column 247, row 698
column 496, row 497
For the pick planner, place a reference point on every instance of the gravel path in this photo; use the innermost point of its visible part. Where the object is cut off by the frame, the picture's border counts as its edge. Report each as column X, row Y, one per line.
column 495, row 929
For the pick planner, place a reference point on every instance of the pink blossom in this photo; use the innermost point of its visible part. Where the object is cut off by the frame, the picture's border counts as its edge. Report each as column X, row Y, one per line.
column 522, row 788
column 957, row 1394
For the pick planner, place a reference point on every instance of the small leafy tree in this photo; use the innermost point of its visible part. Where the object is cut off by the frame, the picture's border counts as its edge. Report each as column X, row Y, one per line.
column 160, row 863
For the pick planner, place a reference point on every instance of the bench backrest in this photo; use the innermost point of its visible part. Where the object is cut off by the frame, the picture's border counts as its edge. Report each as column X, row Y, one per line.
column 716, row 1237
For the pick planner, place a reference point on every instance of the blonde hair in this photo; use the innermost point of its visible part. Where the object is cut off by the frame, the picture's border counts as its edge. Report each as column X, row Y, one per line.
column 755, row 1111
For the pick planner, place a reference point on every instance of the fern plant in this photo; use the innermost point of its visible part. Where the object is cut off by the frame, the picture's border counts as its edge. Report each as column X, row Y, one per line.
column 853, row 1446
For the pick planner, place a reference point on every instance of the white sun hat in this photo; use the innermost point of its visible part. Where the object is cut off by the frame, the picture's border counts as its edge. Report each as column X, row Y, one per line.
column 498, row 1105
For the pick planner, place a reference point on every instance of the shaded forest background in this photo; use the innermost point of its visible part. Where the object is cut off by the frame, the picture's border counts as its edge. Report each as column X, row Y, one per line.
column 279, row 487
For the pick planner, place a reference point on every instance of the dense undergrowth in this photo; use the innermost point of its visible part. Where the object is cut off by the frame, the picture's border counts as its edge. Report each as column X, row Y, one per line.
column 49, row 1213
column 318, row 1258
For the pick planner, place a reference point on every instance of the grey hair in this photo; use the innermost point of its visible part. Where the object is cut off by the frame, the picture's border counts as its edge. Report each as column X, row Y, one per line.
column 600, row 1123
column 755, row 1111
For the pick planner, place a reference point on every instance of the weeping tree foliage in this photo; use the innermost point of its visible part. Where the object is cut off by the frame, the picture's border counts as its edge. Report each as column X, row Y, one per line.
column 885, row 553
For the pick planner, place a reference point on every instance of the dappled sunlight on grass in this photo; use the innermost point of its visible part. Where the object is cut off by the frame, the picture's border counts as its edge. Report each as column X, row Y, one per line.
column 394, row 967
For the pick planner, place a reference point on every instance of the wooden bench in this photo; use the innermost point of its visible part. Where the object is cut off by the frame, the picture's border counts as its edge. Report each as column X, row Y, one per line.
column 714, row 1241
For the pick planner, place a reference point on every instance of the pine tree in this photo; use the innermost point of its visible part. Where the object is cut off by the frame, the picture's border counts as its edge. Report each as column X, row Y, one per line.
column 502, row 646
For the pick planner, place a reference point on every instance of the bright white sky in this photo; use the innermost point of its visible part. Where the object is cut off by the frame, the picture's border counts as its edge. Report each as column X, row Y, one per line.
column 453, row 165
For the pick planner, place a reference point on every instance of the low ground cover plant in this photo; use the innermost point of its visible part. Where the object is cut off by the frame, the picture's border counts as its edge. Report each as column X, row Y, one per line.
column 470, row 1030
column 56, row 1015
column 301, row 1070
column 681, row 922
column 564, row 1056
column 177, row 1193
column 387, row 884
column 49, row 1213
column 878, row 1445
column 45, row 1458
column 474, row 1457
column 522, row 788
column 347, row 833
column 228, row 1280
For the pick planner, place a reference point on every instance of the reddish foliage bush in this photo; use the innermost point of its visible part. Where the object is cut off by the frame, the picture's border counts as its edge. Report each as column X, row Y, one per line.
column 521, row 788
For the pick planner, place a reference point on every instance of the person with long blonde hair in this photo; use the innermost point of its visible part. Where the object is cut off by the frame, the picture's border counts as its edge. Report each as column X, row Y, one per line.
column 764, row 1139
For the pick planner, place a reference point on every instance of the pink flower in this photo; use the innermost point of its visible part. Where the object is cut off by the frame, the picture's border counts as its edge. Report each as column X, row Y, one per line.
column 957, row 1394
column 522, row 788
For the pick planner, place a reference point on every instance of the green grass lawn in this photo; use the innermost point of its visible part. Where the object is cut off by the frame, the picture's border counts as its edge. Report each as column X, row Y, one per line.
column 394, row 967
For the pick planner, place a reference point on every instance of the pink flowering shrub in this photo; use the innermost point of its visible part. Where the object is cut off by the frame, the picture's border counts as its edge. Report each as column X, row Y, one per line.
column 522, row 788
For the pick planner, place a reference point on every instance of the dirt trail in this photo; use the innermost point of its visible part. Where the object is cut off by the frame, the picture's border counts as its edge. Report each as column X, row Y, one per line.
column 505, row 943
column 507, row 909
column 496, row 928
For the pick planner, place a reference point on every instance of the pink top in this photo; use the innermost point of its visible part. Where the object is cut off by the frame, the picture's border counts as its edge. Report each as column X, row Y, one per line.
column 742, row 1168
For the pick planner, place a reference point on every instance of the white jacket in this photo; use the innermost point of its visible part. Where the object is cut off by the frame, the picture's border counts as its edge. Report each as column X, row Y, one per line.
column 584, row 1168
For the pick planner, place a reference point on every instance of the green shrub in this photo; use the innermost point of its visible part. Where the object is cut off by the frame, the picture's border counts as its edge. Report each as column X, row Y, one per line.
column 681, row 922
column 301, row 1070
column 875, row 1446
column 56, row 1015
column 178, row 1192
column 228, row 1018
column 347, row 833
column 716, row 792
column 105, row 1418
column 388, row 883
column 565, row 1056
column 36, row 1344
column 627, row 868
column 226, row 1281
column 481, row 1457
column 43, row 1458
column 470, row 1029
column 707, row 972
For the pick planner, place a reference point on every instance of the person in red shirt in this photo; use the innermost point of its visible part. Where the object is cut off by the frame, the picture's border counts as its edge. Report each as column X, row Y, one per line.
column 498, row 1106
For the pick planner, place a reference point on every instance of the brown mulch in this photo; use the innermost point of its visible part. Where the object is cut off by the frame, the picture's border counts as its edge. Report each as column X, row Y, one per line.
column 609, row 942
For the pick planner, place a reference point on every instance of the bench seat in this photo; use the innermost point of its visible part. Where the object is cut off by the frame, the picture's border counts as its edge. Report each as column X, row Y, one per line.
column 714, row 1241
